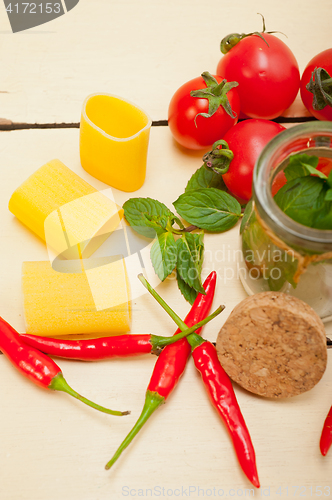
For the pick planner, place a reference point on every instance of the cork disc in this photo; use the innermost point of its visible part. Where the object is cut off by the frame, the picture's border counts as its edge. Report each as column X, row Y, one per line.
column 273, row 345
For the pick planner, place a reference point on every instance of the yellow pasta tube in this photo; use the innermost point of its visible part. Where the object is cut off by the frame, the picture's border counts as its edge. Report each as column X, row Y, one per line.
column 88, row 297
column 65, row 211
column 114, row 138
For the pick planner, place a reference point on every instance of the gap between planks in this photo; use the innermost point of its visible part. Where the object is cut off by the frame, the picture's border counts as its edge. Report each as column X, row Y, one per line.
column 7, row 125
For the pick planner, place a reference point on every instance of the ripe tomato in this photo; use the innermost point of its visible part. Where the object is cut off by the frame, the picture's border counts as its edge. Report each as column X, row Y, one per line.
column 321, row 60
column 325, row 165
column 246, row 140
column 184, row 108
column 279, row 181
column 268, row 76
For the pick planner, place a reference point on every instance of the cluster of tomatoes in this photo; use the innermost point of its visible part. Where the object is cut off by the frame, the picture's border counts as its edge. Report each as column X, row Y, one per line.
column 258, row 77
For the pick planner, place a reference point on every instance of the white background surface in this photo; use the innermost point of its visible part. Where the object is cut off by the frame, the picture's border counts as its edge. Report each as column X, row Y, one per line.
column 51, row 446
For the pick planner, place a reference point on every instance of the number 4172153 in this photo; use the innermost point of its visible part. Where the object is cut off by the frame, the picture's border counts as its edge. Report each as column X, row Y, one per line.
column 34, row 8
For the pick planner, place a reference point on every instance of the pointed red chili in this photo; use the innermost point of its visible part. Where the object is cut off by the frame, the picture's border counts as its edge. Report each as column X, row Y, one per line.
column 109, row 347
column 170, row 365
column 326, row 437
column 222, row 396
column 38, row 367
column 221, row 392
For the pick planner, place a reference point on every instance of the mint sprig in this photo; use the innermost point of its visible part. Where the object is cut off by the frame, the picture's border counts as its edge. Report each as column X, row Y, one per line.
column 154, row 220
column 307, row 195
column 205, row 205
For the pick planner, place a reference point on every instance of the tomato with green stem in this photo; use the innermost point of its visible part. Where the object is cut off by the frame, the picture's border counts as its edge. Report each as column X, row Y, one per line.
column 316, row 86
column 202, row 110
column 266, row 70
column 246, row 140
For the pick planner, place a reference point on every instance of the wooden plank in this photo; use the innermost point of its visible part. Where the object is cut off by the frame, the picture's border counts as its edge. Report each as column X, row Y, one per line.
column 54, row 447
column 139, row 50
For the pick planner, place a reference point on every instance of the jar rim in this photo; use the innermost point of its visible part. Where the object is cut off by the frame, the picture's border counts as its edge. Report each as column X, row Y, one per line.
column 262, row 183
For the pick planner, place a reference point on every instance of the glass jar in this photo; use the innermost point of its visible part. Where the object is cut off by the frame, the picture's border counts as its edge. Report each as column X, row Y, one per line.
column 280, row 254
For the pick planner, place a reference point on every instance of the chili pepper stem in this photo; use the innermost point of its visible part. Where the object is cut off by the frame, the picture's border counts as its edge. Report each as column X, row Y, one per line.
column 177, row 320
column 159, row 342
column 59, row 383
column 195, row 340
column 152, row 401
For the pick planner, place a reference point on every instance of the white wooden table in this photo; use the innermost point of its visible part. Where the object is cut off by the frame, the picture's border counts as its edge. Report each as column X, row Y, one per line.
column 51, row 446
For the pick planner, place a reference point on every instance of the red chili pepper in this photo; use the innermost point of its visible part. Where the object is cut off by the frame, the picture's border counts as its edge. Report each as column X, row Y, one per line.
column 38, row 367
column 220, row 390
column 109, row 347
column 326, row 437
column 170, row 365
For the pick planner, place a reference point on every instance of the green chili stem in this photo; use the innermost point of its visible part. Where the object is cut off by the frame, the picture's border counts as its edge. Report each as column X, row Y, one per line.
column 60, row 384
column 195, row 340
column 159, row 342
column 152, row 402
column 177, row 320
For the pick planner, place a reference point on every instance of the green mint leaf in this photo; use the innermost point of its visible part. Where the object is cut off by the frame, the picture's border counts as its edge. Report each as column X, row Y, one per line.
column 322, row 209
column 324, row 219
column 199, row 244
column 205, row 178
column 329, row 179
column 189, row 293
column 328, row 195
column 246, row 215
column 190, row 251
column 295, row 172
column 209, row 209
column 299, row 165
column 297, row 198
column 287, row 266
column 177, row 220
column 314, row 171
column 147, row 216
column 303, row 159
column 276, row 284
column 164, row 255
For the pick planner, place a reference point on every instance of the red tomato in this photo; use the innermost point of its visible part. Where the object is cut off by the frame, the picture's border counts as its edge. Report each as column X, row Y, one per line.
column 325, row 165
column 246, row 140
column 183, row 109
column 279, row 181
column 321, row 60
column 268, row 76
